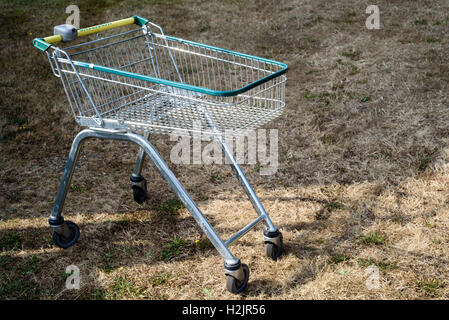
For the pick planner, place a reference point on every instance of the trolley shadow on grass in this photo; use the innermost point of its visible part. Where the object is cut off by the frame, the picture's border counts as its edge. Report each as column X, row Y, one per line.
column 108, row 257
column 120, row 85
column 24, row 270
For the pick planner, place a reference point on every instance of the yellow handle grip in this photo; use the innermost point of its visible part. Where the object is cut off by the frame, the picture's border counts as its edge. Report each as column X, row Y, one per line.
column 95, row 29
column 44, row 43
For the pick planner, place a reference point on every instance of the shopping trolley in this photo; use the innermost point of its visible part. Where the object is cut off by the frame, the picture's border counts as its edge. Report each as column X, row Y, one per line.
column 140, row 80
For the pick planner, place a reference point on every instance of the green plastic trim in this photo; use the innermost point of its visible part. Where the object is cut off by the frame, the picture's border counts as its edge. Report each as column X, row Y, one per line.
column 179, row 84
column 188, row 86
column 140, row 21
column 41, row 44
column 227, row 51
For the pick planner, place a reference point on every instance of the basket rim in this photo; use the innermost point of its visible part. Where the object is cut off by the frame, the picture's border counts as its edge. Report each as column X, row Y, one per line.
column 184, row 86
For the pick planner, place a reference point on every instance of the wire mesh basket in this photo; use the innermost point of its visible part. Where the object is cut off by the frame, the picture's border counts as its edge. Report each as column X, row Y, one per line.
column 143, row 80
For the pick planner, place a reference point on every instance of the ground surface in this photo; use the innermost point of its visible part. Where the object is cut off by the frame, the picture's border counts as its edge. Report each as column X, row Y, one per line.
column 363, row 175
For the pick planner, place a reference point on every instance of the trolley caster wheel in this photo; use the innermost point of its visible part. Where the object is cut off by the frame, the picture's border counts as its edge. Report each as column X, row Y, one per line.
column 139, row 186
column 235, row 285
column 63, row 241
column 274, row 245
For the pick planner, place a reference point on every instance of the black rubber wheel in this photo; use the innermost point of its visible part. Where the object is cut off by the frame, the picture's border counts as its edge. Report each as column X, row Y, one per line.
column 272, row 250
column 236, row 286
column 140, row 195
column 64, row 243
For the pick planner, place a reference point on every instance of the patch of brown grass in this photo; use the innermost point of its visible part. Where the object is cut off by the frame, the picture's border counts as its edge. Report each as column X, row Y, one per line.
column 363, row 150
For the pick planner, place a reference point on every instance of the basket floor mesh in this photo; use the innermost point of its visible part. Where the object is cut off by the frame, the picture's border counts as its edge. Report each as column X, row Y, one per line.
column 164, row 114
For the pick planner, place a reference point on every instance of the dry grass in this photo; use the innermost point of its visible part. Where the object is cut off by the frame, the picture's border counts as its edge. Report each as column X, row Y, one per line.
column 363, row 153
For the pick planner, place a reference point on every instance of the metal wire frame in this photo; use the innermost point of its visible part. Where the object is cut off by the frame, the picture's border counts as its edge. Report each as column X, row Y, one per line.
column 105, row 101
column 101, row 99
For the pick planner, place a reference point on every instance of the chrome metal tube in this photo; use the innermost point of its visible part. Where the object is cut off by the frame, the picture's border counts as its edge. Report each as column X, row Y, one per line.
column 246, row 186
column 163, row 169
column 140, row 159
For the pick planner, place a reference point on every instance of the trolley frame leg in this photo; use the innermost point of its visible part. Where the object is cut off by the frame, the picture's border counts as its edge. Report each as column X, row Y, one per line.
column 271, row 233
column 137, row 172
column 232, row 264
column 138, row 182
column 56, row 220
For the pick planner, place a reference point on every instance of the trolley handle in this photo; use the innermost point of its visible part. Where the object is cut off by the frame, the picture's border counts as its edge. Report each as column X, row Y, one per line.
column 44, row 43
